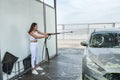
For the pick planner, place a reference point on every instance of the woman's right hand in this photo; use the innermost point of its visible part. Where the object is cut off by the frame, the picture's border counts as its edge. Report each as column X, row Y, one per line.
column 46, row 36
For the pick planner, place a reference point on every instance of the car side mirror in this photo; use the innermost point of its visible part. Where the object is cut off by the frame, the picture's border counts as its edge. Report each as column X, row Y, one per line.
column 84, row 43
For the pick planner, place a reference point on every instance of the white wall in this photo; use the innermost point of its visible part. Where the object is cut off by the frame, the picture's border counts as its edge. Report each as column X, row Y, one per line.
column 16, row 17
column 14, row 22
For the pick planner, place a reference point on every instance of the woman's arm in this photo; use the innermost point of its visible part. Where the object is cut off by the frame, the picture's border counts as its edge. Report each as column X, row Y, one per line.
column 36, row 36
column 42, row 33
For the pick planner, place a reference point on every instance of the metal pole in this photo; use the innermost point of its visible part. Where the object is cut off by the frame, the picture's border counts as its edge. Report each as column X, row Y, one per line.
column 44, row 14
column 55, row 6
column 63, row 28
column 113, row 25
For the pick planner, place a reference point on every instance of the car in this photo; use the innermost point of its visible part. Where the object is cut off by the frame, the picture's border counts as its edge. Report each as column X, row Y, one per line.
column 101, row 58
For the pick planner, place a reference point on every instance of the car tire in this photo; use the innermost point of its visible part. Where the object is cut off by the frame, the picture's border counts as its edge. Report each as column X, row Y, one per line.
column 83, row 77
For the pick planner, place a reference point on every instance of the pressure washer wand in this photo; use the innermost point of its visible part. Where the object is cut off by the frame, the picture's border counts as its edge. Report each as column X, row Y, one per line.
column 59, row 33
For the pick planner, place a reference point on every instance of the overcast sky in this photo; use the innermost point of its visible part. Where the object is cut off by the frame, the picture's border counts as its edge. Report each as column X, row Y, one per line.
column 88, row 11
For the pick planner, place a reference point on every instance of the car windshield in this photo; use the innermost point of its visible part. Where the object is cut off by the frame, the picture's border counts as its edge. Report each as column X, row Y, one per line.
column 105, row 39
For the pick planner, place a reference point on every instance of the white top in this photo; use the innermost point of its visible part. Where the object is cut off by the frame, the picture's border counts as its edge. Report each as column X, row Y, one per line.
column 33, row 38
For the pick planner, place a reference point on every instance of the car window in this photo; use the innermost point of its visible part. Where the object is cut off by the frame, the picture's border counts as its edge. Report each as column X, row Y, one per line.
column 105, row 39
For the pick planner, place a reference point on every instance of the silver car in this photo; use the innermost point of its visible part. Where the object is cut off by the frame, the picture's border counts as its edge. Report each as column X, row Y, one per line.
column 101, row 59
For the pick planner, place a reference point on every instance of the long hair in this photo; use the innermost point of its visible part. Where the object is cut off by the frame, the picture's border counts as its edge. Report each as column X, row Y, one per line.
column 32, row 27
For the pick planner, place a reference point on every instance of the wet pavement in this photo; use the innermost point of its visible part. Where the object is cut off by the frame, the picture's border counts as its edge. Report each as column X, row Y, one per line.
column 66, row 66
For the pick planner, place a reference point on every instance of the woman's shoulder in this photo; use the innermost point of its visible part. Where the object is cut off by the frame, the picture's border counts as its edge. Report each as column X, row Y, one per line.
column 30, row 33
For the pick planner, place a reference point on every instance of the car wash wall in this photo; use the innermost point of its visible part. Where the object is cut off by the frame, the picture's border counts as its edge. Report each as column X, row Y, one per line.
column 16, row 17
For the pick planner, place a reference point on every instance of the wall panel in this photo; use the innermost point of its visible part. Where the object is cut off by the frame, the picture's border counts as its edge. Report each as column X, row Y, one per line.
column 50, row 28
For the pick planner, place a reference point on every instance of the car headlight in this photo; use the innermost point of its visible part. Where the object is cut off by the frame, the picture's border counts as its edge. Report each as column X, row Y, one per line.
column 91, row 65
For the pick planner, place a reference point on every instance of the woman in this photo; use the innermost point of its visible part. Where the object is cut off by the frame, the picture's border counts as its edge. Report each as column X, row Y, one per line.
column 35, row 34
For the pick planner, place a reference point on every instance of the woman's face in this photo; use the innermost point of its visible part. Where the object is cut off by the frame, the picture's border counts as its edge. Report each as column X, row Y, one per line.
column 36, row 27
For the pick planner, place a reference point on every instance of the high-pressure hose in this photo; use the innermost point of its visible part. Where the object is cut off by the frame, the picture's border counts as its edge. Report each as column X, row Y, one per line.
column 49, row 37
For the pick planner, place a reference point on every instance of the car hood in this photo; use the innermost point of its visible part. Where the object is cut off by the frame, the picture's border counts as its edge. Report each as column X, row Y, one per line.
column 107, row 58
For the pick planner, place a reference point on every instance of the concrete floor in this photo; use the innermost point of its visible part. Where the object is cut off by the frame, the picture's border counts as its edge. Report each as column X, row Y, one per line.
column 65, row 66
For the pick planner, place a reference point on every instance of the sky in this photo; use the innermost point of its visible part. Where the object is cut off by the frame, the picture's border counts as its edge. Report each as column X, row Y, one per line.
column 87, row 11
